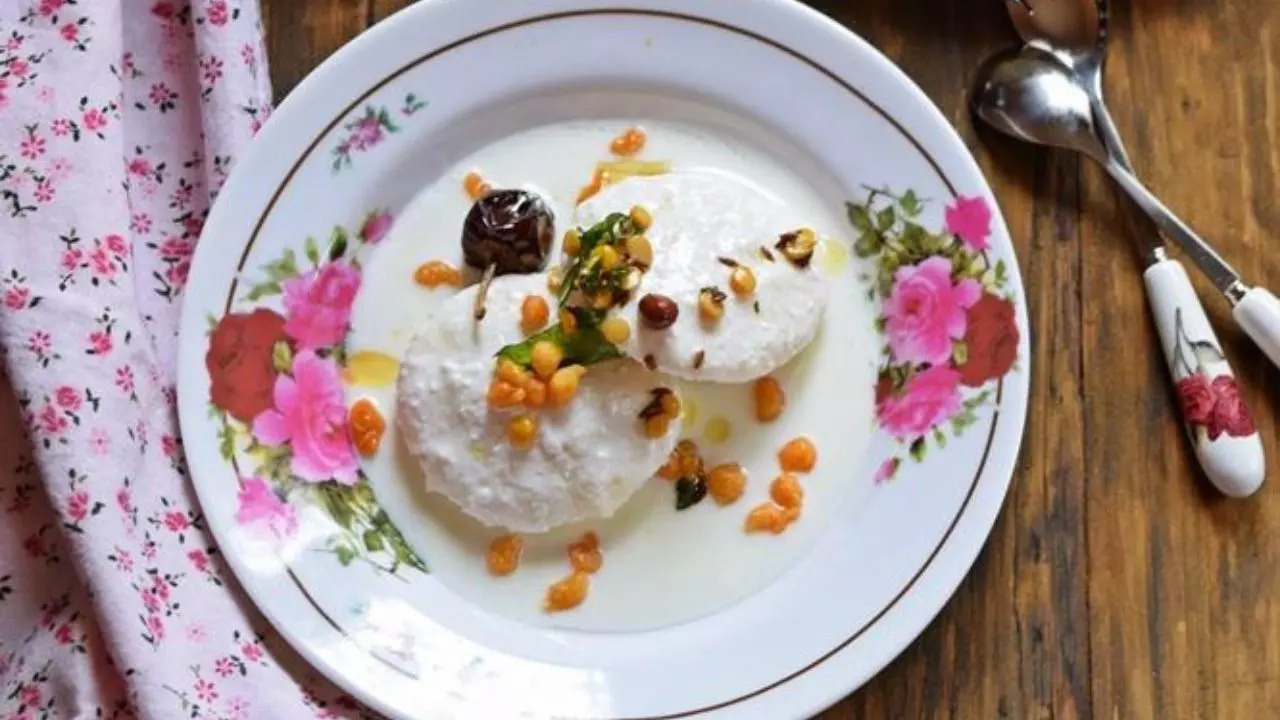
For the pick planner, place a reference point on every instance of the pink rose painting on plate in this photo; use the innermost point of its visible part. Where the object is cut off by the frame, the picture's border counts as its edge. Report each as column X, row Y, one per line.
column 927, row 311
column 258, row 505
column 948, row 323
column 310, row 416
column 276, row 390
column 318, row 305
column 969, row 218
column 929, row 398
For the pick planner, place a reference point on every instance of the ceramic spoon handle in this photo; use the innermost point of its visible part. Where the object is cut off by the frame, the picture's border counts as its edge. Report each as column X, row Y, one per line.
column 1258, row 312
column 1219, row 424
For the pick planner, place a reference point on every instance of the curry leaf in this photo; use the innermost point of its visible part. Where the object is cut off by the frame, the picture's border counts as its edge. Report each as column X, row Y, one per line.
column 603, row 231
column 585, row 346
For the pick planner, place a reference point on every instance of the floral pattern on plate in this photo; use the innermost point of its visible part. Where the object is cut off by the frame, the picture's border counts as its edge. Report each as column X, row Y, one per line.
column 370, row 129
column 946, row 316
column 276, row 391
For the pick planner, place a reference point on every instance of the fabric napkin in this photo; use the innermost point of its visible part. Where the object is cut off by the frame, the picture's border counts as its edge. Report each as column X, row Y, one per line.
column 119, row 121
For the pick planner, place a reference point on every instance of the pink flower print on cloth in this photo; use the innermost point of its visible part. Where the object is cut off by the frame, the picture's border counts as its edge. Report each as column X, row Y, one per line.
column 318, row 305
column 121, row 121
column 310, row 416
column 926, row 311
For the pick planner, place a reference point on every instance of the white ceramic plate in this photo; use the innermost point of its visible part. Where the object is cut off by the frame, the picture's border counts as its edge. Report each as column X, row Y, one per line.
column 280, row 263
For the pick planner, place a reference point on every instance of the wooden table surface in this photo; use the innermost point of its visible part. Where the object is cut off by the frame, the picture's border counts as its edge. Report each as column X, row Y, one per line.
column 1115, row 583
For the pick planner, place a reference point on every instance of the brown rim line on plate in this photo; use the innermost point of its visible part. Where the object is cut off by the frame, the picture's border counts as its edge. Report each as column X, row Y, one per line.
column 793, row 53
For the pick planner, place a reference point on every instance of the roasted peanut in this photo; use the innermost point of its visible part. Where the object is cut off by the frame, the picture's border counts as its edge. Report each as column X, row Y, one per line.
column 503, row 556
column 711, row 304
column 511, row 373
column 568, row 593
column 785, row 490
column 798, row 455
column 658, row 311
column 475, row 185
column 572, row 242
column 630, row 142
column 640, row 250
column 585, row 555
column 768, row 517
column 534, row 313
column 435, row 273
column 769, row 399
column 545, row 358
column 742, row 281
column 366, row 426
column 641, row 218
column 503, row 394
column 726, row 483
column 522, row 431
column 564, row 384
column 615, row 329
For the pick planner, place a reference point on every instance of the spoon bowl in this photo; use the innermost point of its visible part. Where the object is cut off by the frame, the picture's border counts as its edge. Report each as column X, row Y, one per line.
column 1030, row 95
column 1074, row 27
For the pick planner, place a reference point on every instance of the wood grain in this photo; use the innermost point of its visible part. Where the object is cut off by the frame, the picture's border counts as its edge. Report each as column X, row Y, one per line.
column 1115, row 584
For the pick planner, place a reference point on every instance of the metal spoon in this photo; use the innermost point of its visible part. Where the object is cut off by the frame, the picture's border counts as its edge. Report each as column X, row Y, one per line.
column 1075, row 32
column 1034, row 96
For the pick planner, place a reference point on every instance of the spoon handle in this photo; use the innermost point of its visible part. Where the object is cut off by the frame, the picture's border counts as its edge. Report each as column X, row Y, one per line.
column 1220, row 273
column 1258, row 312
column 1236, row 467
column 1218, row 423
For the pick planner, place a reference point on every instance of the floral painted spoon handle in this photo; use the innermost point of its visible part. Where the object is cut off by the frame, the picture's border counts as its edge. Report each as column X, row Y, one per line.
column 1217, row 420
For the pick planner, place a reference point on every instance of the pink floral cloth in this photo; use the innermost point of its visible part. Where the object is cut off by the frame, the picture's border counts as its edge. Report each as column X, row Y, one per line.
column 119, row 120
